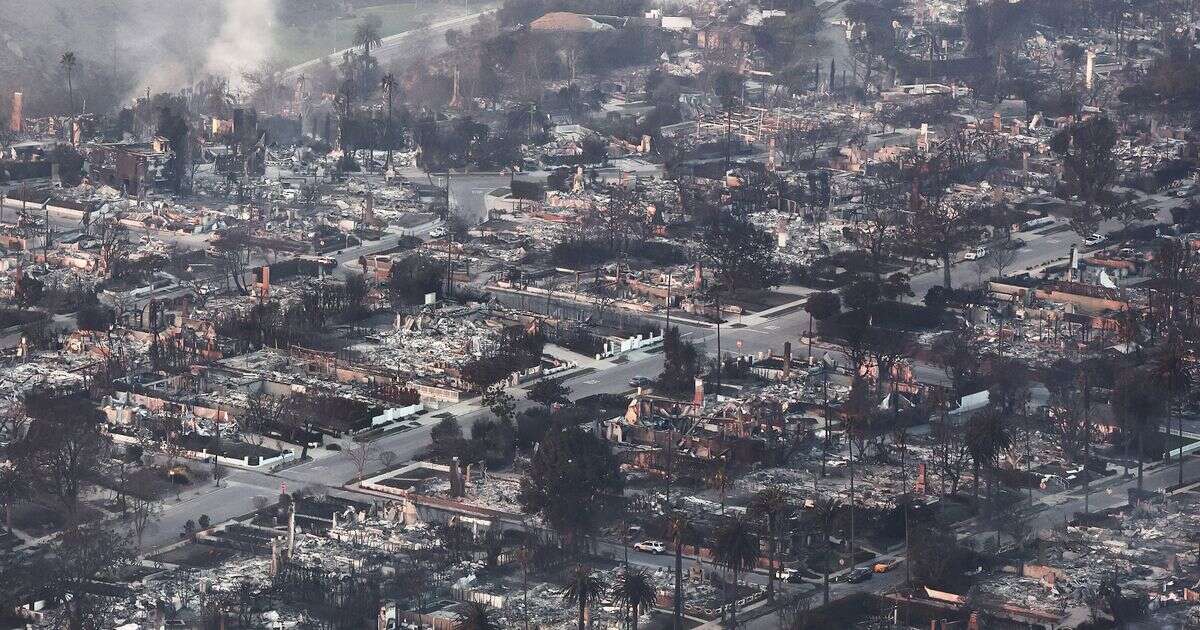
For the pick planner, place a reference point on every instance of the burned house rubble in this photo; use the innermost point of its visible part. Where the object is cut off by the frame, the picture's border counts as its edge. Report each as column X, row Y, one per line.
column 568, row 314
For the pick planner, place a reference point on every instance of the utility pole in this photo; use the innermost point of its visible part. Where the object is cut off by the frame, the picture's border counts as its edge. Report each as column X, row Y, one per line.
column 669, row 299
column 449, row 240
column 719, row 359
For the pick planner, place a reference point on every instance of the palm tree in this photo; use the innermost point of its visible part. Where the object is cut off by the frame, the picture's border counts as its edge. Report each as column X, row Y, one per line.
column 388, row 84
column 987, row 437
column 634, row 591
column 736, row 548
column 719, row 480
column 478, row 617
column 68, row 62
column 1170, row 368
column 1136, row 400
column 679, row 528
column 823, row 511
column 367, row 36
column 583, row 589
column 770, row 503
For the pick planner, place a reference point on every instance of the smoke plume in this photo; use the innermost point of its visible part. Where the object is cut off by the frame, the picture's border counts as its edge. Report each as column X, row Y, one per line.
column 244, row 41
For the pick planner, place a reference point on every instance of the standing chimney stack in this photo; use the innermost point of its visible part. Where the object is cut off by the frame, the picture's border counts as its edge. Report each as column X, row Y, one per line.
column 1089, row 73
column 456, row 481
column 16, row 125
column 698, row 396
column 787, row 360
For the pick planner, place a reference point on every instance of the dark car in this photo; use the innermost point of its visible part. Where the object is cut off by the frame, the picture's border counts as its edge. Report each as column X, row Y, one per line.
column 640, row 381
column 861, row 574
column 1014, row 243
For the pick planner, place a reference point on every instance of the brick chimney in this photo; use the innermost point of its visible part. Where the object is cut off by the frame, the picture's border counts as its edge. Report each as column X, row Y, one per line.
column 787, row 360
column 698, row 396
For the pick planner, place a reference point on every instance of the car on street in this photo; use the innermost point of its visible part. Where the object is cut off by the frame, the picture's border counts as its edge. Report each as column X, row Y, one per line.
column 1015, row 243
column 437, row 232
column 650, row 546
column 976, row 254
column 790, row 575
column 1093, row 239
column 640, row 381
column 858, row 575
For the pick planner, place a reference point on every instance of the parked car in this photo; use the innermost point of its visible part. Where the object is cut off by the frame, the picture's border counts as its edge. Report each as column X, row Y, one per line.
column 640, row 381
column 857, row 575
column 1015, row 243
column 437, row 232
column 650, row 546
column 1093, row 239
column 976, row 254
column 788, row 574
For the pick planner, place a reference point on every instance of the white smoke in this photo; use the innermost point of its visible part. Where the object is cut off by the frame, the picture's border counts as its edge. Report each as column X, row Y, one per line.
column 245, row 40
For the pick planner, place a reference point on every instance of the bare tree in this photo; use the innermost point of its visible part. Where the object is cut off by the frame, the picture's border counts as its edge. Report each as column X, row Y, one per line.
column 142, row 514
column 388, row 459
column 114, row 244
column 950, row 452
column 263, row 413
column 793, row 610
column 359, row 455
column 1001, row 257
column 66, row 448
column 219, row 471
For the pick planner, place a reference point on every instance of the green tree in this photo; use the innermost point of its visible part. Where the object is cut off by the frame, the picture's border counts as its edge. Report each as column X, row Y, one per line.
column 478, row 617
column 681, row 365
column 367, row 36
column 501, row 403
column 736, row 549
column 548, row 392
column 411, row 278
column 741, row 254
column 820, row 306
column 571, row 481
column 635, row 592
column 582, row 589
column 1089, row 166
